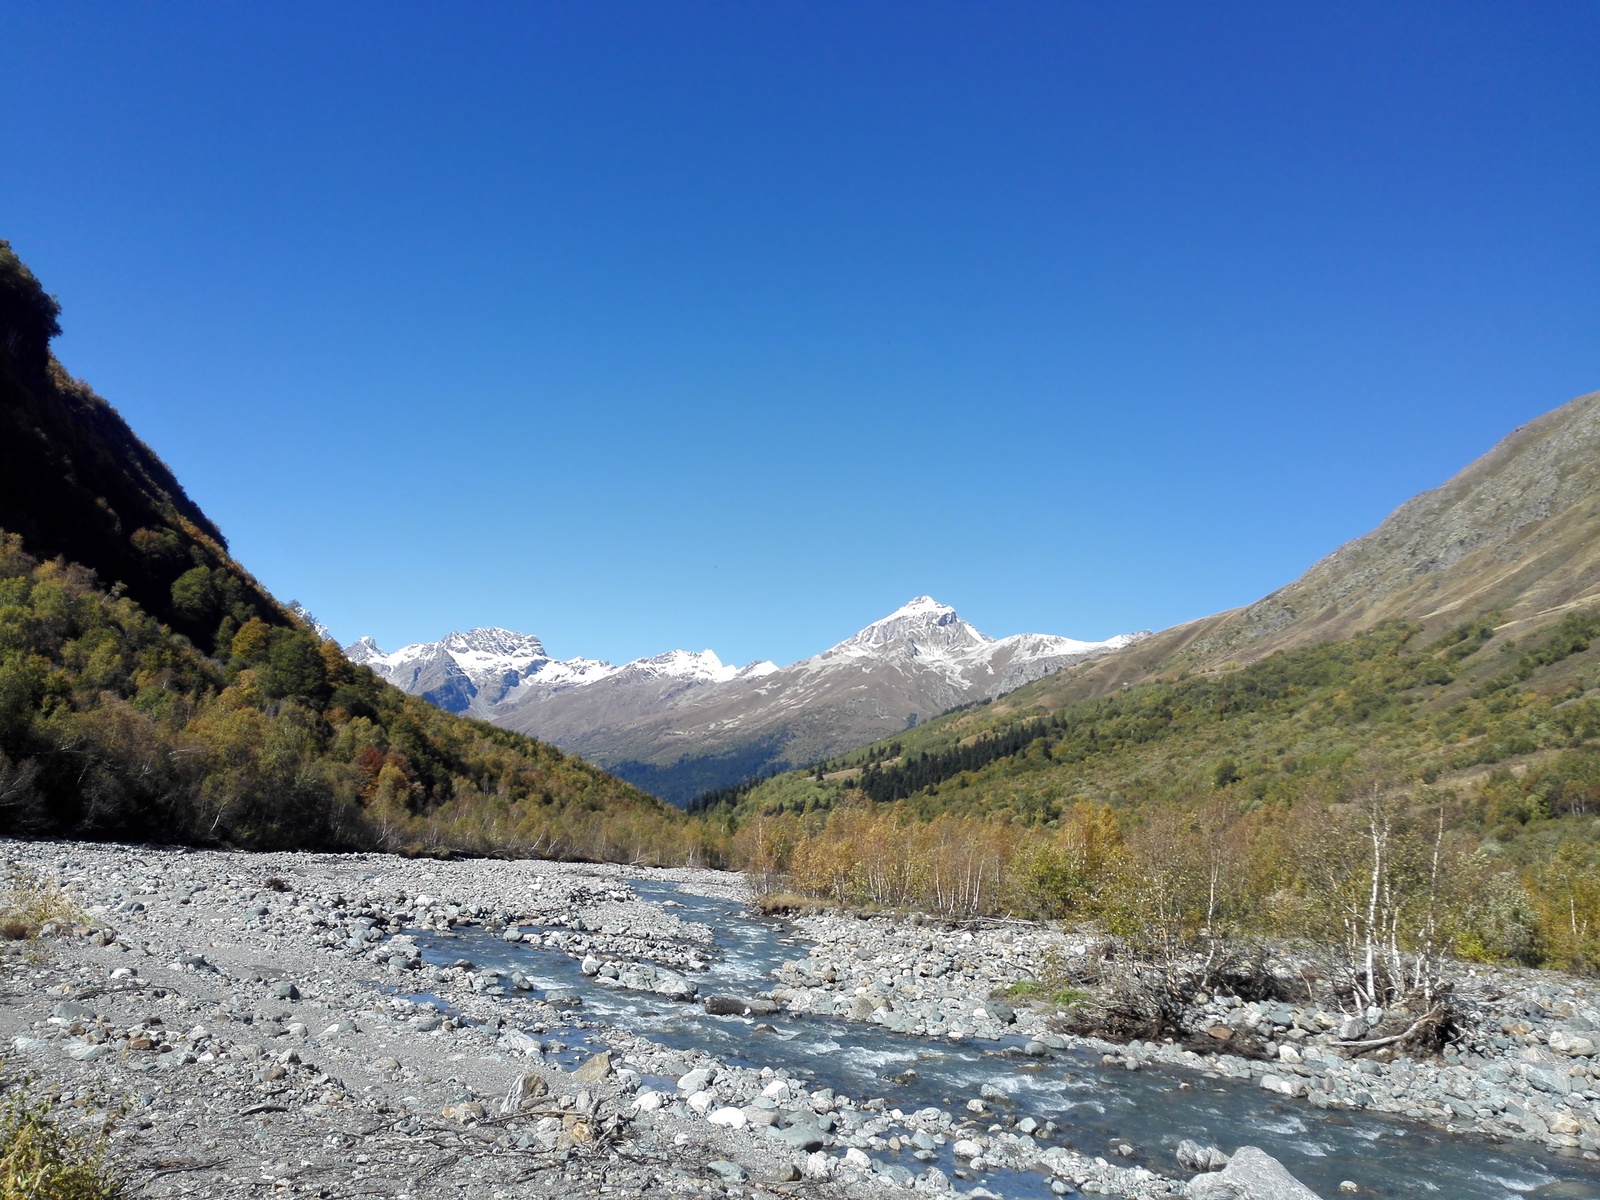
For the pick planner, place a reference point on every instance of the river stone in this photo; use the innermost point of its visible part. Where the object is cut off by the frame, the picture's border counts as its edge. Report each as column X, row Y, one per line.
column 1561, row 1041
column 1001, row 1012
column 896, row 1173
column 519, row 1042
column 1251, row 1174
column 805, row 1137
column 726, row 1006
column 695, row 1081
column 67, row 1010
column 966, row 1148
column 1352, row 1029
column 1192, row 1156
column 729, row 1118
column 593, row 1069
column 649, row 1101
column 1282, row 1086
column 728, row 1172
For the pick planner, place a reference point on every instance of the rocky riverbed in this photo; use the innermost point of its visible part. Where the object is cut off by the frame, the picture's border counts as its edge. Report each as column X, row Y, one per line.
column 1523, row 1064
column 287, row 1025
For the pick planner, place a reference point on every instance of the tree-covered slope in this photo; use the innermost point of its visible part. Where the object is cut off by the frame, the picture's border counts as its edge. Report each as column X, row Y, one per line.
column 151, row 689
column 76, row 482
column 1271, row 731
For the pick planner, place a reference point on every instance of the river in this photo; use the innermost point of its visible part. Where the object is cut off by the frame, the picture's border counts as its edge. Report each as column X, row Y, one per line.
column 1094, row 1107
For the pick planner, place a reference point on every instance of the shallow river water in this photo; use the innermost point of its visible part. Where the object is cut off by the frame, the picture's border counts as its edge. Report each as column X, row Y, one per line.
column 1093, row 1106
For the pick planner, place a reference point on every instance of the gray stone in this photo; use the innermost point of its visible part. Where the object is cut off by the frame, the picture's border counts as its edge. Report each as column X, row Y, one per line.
column 1251, row 1174
column 728, row 1172
column 696, row 1080
column 593, row 1069
column 1192, row 1156
column 284, row 990
column 804, row 1137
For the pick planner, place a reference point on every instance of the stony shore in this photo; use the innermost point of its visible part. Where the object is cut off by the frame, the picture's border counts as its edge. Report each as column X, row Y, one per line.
column 270, row 1028
column 260, row 1021
column 1524, row 1066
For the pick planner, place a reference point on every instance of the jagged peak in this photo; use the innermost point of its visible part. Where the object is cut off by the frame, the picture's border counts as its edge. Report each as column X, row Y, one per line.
column 493, row 640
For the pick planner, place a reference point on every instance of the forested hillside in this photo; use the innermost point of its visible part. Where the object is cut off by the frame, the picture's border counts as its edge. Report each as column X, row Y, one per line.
column 1280, row 732
column 150, row 689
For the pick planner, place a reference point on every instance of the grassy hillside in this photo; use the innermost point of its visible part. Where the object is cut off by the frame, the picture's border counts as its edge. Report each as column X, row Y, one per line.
column 150, row 689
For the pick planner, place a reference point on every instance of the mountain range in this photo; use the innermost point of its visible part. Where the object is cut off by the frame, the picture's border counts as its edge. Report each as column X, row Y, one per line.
column 683, row 722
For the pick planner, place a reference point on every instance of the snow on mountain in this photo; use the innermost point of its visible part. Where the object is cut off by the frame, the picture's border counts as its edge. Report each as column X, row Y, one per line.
column 481, row 668
column 711, row 722
column 304, row 613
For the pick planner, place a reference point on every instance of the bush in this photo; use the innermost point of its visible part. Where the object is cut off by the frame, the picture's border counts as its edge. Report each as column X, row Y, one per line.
column 29, row 903
column 39, row 1160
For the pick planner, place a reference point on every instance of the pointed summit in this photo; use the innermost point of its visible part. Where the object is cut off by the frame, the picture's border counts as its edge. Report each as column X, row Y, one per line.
column 923, row 622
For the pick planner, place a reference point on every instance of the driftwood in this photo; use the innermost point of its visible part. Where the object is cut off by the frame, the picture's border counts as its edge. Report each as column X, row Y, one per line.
column 1421, row 1022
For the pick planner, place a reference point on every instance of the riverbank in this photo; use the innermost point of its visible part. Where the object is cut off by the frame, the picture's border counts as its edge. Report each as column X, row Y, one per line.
column 1523, row 1065
column 269, row 1028
column 313, row 1025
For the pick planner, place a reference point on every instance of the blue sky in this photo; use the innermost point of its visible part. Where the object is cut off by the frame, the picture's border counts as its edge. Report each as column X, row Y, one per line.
column 737, row 325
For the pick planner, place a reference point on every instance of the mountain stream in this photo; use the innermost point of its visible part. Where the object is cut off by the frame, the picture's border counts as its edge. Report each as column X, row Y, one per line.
column 1094, row 1107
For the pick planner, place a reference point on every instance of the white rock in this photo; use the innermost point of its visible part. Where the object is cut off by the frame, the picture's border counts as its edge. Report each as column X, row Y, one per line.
column 702, row 1102
column 966, row 1148
column 728, row 1118
column 695, row 1081
column 1573, row 1044
column 649, row 1101
column 857, row 1158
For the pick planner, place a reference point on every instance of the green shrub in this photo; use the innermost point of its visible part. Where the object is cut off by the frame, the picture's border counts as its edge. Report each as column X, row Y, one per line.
column 39, row 1160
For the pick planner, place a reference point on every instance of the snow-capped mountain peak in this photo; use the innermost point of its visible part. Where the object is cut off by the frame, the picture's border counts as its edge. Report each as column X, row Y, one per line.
column 304, row 613
column 703, row 667
column 922, row 622
column 494, row 647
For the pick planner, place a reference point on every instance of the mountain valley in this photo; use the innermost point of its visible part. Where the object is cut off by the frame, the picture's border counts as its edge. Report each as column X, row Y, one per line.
column 682, row 723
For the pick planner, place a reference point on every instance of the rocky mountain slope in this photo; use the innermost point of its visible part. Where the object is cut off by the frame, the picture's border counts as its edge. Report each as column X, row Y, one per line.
column 682, row 722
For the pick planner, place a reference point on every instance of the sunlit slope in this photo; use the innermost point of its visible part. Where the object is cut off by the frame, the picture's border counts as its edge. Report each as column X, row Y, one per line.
column 1453, row 636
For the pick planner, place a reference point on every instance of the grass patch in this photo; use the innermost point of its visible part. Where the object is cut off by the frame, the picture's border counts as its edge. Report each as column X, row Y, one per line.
column 30, row 902
column 39, row 1160
column 1035, row 989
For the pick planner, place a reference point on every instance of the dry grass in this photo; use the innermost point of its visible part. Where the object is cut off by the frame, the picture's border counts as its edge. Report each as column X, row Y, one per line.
column 29, row 902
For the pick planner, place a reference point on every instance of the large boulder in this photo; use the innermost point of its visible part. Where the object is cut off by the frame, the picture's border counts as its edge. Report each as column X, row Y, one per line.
column 1251, row 1174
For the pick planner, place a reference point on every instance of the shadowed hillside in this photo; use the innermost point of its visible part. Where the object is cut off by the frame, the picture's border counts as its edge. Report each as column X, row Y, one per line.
column 151, row 690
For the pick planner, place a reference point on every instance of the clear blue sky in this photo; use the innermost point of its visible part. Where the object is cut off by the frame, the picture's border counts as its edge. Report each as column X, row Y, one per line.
column 737, row 325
